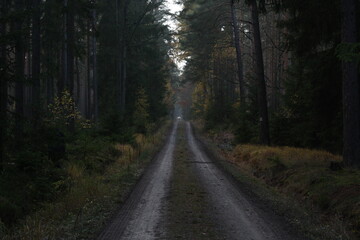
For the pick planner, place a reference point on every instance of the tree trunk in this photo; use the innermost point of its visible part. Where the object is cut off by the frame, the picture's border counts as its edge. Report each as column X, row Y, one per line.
column 19, row 74
column 49, row 90
column 122, row 49
column 36, row 45
column 351, row 104
column 3, row 89
column 123, row 79
column 70, row 48
column 118, row 57
column 95, row 79
column 238, row 52
column 63, row 83
column 259, row 66
column 78, row 87
column 88, row 80
column 69, row 52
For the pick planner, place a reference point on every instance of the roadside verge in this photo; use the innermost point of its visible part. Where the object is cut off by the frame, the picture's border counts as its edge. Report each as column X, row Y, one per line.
column 83, row 211
column 274, row 185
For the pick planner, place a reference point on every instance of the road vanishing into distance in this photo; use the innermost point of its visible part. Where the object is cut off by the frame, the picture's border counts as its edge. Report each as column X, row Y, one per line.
column 184, row 195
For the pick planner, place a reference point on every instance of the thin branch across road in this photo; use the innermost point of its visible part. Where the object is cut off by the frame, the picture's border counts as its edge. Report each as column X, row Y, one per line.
column 184, row 195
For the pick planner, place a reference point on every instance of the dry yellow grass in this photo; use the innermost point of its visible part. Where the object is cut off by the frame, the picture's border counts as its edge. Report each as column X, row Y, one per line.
column 140, row 139
column 307, row 175
column 74, row 171
column 262, row 156
column 127, row 153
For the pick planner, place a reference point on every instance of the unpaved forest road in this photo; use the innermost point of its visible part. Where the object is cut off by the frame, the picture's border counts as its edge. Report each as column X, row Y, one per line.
column 145, row 214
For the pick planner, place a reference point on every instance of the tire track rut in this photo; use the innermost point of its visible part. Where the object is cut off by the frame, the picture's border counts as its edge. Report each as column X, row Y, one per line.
column 235, row 212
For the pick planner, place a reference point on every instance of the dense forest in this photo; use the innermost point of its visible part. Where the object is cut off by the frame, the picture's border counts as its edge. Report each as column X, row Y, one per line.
column 75, row 76
column 273, row 71
column 78, row 76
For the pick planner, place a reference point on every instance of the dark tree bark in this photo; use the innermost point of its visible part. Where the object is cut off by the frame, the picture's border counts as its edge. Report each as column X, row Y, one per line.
column 77, row 80
column 70, row 27
column 88, row 105
column 259, row 66
column 3, row 88
column 119, row 55
column 238, row 52
column 68, row 49
column 49, row 90
column 351, row 100
column 123, row 79
column 36, row 48
column 94, row 60
column 19, row 73
column 63, row 83
column 121, row 16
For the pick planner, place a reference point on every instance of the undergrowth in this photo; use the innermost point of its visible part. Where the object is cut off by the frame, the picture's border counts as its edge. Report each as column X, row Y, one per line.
column 312, row 175
column 95, row 180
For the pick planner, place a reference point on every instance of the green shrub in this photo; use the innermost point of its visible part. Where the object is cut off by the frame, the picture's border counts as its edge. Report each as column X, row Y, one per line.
column 9, row 213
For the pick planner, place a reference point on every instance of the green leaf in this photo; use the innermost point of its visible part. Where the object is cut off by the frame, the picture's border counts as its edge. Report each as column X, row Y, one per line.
column 348, row 52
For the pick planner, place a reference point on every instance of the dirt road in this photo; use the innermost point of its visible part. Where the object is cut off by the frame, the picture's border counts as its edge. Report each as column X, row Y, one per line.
column 184, row 195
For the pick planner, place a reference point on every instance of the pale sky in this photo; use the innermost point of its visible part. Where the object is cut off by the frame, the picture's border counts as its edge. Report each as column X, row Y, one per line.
column 174, row 9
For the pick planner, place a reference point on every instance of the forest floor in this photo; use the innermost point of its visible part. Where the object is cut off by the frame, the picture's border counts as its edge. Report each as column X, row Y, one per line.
column 187, row 194
column 82, row 210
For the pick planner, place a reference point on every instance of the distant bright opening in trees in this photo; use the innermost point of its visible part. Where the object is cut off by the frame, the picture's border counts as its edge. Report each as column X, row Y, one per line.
column 175, row 8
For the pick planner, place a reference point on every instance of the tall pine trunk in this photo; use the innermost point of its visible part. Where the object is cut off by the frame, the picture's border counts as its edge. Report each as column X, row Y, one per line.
column 88, row 80
column 70, row 28
column 351, row 100
column 123, row 79
column 67, row 82
column 19, row 73
column 260, row 77
column 94, row 62
column 3, row 88
column 36, row 61
column 238, row 52
column 63, row 82
column 118, row 55
column 121, row 19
